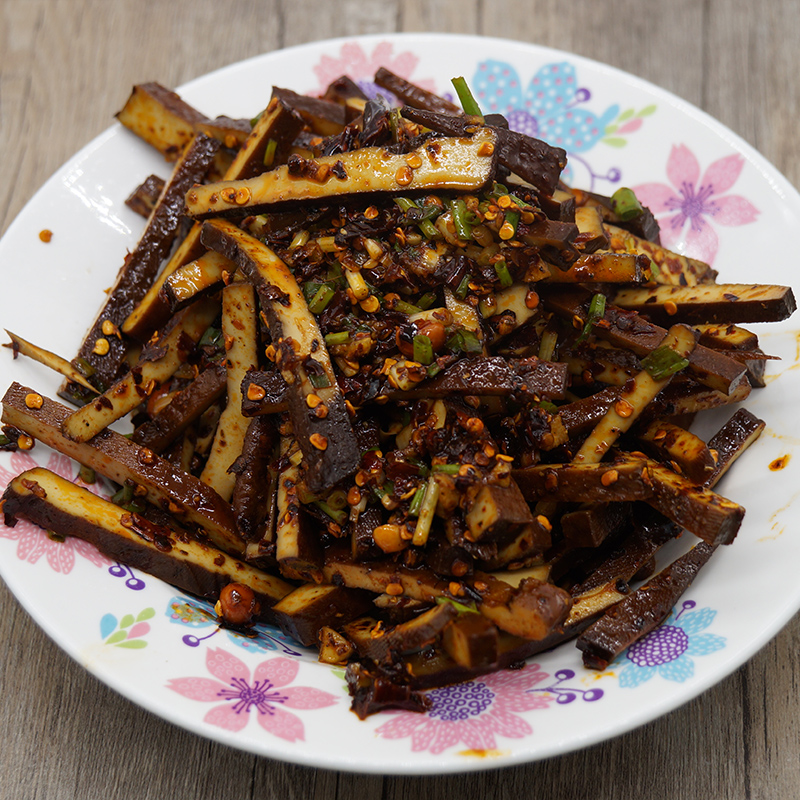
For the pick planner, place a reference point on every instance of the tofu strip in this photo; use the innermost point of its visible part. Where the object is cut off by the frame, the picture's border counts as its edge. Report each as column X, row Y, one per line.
column 124, row 462
column 316, row 405
column 54, row 503
column 240, row 330
column 632, row 400
column 147, row 375
column 457, row 164
column 277, row 123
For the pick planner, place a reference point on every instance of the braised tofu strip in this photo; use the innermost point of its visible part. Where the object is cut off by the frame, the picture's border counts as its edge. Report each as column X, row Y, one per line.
column 399, row 390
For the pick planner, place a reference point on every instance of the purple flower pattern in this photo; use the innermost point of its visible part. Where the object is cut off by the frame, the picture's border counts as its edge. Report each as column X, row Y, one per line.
column 473, row 714
column 266, row 693
column 669, row 651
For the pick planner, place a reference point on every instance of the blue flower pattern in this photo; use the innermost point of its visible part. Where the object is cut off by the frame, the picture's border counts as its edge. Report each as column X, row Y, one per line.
column 550, row 108
column 670, row 650
column 195, row 613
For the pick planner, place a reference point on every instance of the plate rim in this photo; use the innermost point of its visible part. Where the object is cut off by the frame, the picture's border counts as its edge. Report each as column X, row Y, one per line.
column 773, row 177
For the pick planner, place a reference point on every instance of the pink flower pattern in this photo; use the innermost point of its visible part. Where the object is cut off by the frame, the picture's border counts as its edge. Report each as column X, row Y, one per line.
column 696, row 200
column 473, row 714
column 354, row 62
column 267, row 692
column 32, row 541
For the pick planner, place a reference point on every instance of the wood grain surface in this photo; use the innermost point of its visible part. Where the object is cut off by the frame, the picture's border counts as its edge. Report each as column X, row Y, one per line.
column 66, row 65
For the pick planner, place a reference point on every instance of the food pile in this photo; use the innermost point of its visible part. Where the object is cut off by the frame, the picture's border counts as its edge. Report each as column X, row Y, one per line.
column 398, row 390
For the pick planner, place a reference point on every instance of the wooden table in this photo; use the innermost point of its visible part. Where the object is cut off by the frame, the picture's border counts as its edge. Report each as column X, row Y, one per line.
column 65, row 65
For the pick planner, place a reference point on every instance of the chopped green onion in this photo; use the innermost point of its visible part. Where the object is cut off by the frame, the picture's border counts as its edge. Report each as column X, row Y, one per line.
column 299, row 239
column 269, row 153
column 420, row 216
column 211, row 337
column 338, row 337
column 427, row 300
column 423, row 349
column 434, row 370
column 463, row 287
column 404, row 203
column 459, row 210
column 655, row 270
column 319, row 380
column 597, row 308
column 462, row 607
column 547, row 345
column 406, row 308
column 87, row 475
column 337, row 499
column 501, row 268
column 663, row 362
column 416, row 502
column 625, row 204
column 334, row 272
column 552, row 408
column 446, row 469
column 429, row 230
column 465, row 341
column 426, row 512
column 123, row 496
column 394, row 124
column 511, row 217
column 321, row 298
column 466, row 98
column 85, row 368
column 337, row 515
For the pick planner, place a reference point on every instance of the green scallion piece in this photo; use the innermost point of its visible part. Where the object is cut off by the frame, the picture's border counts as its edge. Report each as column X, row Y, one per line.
column 501, row 268
column 446, row 469
column 429, row 230
column 406, row 308
column 338, row 337
column 463, row 287
column 655, row 270
column 423, row 349
column 123, row 496
column 404, row 203
column 211, row 337
column 434, row 370
column 426, row 301
column 426, row 512
column 511, row 218
column 319, row 380
column 625, row 204
column 416, row 502
column 466, row 98
column 87, row 475
column 323, row 296
column 547, row 345
column 337, row 499
column 394, row 124
column 461, row 607
column 597, row 308
column 337, row 515
column 84, row 367
column 269, row 152
column 459, row 210
column 663, row 362
column 470, row 343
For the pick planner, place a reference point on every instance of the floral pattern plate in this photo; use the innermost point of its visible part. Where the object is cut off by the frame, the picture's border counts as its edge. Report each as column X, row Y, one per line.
column 716, row 198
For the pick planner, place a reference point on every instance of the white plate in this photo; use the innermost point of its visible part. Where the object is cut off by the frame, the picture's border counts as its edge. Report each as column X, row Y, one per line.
column 166, row 655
